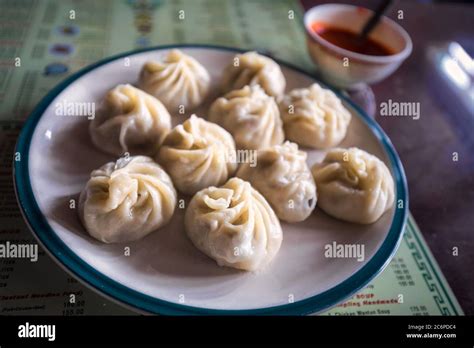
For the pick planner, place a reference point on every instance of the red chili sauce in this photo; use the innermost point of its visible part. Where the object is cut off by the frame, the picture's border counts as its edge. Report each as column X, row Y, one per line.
column 350, row 40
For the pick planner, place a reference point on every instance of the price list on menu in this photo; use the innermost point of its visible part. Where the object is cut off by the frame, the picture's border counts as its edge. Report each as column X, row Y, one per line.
column 49, row 40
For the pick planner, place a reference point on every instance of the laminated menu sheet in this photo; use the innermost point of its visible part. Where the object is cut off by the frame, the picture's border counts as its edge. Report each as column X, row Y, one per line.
column 45, row 41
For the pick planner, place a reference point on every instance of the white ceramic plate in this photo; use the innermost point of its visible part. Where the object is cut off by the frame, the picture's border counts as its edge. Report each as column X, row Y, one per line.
column 164, row 272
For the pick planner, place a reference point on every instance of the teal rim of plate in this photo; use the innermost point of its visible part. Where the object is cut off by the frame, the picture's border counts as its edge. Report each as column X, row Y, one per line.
column 133, row 298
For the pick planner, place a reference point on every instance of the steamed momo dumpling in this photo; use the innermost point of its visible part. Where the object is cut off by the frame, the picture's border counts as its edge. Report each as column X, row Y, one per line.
column 234, row 225
column 353, row 185
column 178, row 80
column 251, row 69
column 251, row 116
column 125, row 200
column 130, row 120
column 282, row 176
column 197, row 154
column 314, row 117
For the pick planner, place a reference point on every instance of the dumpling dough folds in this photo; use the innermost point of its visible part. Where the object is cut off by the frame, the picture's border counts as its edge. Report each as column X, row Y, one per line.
column 251, row 116
column 252, row 69
column 130, row 120
column 314, row 117
column 125, row 200
column 198, row 154
column 282, row 176
column 353, row 185
column 177, row 80
column 234, row 225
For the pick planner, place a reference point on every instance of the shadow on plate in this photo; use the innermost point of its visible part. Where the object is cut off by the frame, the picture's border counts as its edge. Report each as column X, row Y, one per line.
column 165, row 251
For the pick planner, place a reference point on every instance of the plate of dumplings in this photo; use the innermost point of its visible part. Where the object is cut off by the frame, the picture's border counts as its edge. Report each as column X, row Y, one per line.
column 199, row 179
